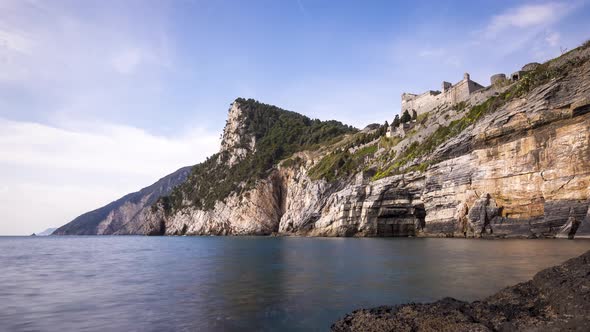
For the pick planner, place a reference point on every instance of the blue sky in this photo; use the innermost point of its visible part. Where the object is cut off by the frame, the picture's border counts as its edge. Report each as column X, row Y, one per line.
column 100, row 98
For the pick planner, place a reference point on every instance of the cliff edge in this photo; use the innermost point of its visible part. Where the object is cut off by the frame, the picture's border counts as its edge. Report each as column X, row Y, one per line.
column 508, row 160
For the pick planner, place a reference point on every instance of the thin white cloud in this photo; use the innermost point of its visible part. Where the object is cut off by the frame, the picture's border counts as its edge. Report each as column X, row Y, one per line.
column 14, row 48
column 61, row 46
column 70, row 61
column 33, row 207
column 107, row 148
column 12, row 41
column 453, row 60
column 126, row 62
column 432, row 52
column 553, row 39
column 527, row 16
column 49, row 175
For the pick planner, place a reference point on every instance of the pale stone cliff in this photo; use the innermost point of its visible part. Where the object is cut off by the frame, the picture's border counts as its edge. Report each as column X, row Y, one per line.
column 512, row 161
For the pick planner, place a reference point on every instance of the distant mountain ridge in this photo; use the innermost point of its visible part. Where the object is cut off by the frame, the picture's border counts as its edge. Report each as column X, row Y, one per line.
column 46, row 232
column 113, row 216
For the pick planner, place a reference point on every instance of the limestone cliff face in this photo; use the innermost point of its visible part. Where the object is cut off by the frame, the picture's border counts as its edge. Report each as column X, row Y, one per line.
column 236, row 141
column 522, row 169
column 532, row 157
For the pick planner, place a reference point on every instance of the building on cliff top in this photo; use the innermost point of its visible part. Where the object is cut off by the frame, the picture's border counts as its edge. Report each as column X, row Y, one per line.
column 452, row 94
column 429, row 100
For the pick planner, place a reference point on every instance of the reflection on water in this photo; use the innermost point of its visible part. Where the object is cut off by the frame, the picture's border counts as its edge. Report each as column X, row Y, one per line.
column 249, row 283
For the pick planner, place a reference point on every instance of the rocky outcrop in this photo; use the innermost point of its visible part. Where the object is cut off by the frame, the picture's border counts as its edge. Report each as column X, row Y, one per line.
column 118, row 216
column 532, row 157
column 236, row 141
column 256, row 212
column 556, row 299
column 520, row 170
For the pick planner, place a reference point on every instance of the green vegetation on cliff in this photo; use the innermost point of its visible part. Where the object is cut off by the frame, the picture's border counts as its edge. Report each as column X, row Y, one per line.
column 281, row 133
column 341, row 163
column 278, row 134
column 350, row 158
column 543, row 74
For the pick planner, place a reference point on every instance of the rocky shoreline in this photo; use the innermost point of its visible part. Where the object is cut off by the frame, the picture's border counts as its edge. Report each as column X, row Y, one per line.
column 556, row 299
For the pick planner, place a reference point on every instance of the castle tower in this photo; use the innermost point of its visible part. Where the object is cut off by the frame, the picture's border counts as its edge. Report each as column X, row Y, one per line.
column 446, row 86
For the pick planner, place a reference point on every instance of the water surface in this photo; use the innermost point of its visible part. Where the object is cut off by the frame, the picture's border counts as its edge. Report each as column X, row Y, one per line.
column 246, row 283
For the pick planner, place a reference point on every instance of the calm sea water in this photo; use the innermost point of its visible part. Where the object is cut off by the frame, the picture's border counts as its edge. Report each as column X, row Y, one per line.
column 246, row 283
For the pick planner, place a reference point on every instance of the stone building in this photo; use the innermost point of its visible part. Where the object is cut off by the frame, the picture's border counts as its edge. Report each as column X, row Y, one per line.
column 401, row 130
column 451, row 94
column 465, row 90
column 498, row 79
column 525, row 69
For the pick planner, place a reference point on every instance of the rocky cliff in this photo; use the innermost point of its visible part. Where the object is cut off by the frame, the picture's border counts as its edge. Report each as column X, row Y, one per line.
column 511, row 161
column 115, row 216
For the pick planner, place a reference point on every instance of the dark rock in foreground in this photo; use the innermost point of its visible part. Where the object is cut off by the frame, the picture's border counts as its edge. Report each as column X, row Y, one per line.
column 556, row 299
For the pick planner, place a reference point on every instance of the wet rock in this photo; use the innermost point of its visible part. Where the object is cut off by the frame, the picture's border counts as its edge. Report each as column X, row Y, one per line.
column 556, row 299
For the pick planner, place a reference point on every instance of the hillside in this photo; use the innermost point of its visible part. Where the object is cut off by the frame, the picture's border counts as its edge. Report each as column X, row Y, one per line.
column 256, row 137
column 113, row 216
column 46, row 232
column 508, row 160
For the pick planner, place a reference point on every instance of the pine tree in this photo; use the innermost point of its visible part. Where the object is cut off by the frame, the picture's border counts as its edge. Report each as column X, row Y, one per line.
column 406, row 117
column 414, row 115
column 396, row 121
column 384, row 129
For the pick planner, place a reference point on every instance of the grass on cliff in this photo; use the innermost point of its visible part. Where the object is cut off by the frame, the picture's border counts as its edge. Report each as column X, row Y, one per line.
column 342, row 163
column 440, row 136
column 541, row 75
column 278, row 133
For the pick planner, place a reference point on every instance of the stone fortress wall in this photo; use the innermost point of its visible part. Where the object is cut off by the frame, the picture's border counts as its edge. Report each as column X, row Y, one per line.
column 421, row 103
column 464, row 90
column 451, row 94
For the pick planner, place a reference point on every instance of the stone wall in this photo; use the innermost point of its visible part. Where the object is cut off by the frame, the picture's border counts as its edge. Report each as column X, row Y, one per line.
column 452, row 94
column 421, row 103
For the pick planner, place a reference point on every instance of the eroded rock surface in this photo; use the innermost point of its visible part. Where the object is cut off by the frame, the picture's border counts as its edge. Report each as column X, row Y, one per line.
column 522, row 170
column 116, row 217
column 556, row 299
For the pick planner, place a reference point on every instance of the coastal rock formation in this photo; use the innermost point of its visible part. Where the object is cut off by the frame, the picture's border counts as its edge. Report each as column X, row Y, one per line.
column 508, row 160
column 115, row 216
column 556, row 299
column 236, row 141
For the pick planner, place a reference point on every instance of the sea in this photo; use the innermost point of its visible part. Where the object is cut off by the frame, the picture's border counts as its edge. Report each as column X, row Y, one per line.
column 136, row 283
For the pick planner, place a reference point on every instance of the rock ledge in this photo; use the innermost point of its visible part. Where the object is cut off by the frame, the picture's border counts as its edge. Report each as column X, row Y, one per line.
column 556, row 299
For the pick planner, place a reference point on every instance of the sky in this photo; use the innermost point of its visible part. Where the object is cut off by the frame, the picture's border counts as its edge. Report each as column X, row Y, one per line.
column 102, row 98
